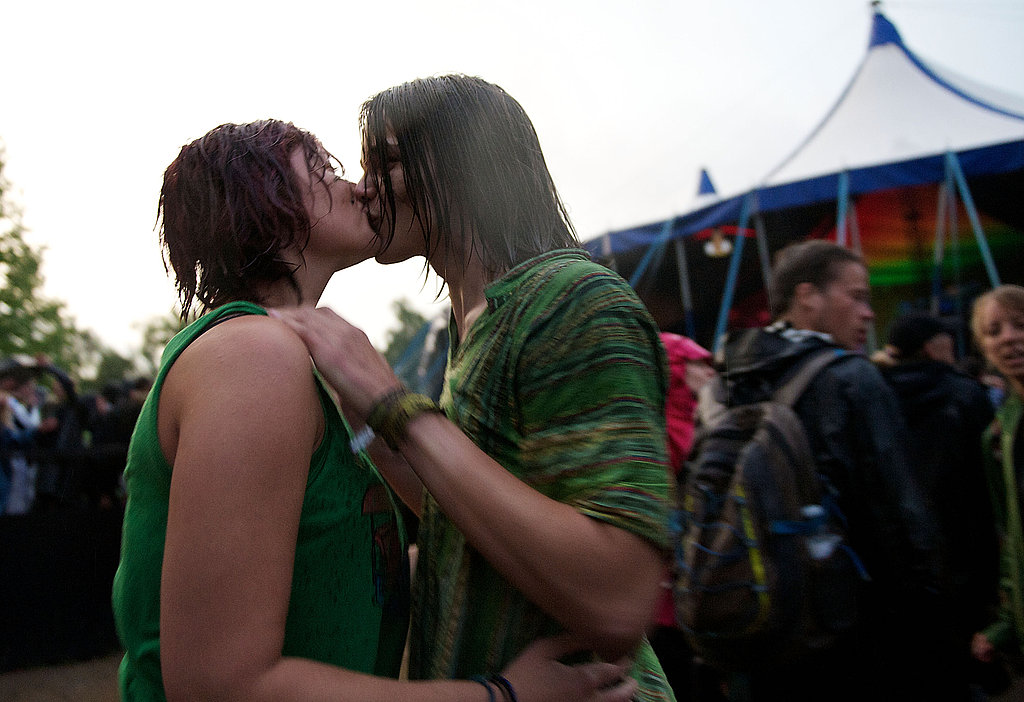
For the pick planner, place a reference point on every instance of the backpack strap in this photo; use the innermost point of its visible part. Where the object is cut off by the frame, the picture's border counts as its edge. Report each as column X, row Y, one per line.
column 790, row 391
column 711, row 401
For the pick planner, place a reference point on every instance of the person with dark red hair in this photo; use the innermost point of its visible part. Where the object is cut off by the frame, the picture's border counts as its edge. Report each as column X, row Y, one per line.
column 263, row 555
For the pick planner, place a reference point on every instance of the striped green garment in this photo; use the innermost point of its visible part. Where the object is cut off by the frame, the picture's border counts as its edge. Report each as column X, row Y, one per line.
column 562, row 381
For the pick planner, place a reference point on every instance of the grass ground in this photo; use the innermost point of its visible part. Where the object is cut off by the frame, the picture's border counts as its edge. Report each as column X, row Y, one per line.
column 89, row 681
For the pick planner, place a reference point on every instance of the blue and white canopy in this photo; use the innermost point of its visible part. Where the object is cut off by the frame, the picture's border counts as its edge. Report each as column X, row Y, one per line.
column 901, row 122
column 892, row 126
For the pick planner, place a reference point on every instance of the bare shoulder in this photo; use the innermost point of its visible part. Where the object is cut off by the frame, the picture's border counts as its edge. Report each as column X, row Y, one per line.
column 246, row 377
column 248, row 344
column 245, row 354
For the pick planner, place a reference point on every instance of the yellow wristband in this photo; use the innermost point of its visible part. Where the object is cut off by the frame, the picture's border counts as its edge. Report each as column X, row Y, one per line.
column 392, row 413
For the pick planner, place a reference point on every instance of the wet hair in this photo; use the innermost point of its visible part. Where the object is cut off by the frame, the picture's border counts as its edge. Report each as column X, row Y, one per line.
column 230, row 204
column 1009, row 296
column 817, row 262
column 473, row 167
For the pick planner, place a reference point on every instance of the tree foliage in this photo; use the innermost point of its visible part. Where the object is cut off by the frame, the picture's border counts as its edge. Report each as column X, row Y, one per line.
column 31, row 323
column 112, row 368
column 155, row 335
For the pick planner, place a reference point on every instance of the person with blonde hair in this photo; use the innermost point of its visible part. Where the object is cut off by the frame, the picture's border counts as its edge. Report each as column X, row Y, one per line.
column 997, row 323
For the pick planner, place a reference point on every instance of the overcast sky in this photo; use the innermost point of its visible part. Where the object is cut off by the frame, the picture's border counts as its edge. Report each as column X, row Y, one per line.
column 630, row 100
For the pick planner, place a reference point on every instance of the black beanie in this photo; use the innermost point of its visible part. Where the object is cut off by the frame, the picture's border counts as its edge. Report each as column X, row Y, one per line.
column 910, row 333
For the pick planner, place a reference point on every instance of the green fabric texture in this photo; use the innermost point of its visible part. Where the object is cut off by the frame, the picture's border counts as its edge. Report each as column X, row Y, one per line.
column 1003, row 482
column 349, row 599
column 562, row 381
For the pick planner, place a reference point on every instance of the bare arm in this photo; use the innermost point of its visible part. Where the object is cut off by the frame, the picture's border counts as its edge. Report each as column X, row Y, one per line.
column 241, row 448
column 601, row 582
column 399, row 474
column 395, row 469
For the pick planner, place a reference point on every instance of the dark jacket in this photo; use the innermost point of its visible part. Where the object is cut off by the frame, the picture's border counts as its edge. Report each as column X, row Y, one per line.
column 856, row 431
column 1003, row 467
column 947, row 412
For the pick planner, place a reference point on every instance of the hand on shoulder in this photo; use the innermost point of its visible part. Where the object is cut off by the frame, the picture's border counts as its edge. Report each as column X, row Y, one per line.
column 343, row 354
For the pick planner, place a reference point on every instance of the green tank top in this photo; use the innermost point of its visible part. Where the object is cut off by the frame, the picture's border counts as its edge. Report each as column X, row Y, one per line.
column 349, row 600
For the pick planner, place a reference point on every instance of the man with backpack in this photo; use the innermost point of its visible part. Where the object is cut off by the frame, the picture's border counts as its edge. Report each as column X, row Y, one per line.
column 802, row 524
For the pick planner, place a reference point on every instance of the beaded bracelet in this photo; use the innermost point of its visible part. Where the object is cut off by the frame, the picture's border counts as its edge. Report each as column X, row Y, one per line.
column 382, row 405
column 487, row 686
column 507, row 691
column 392, row 412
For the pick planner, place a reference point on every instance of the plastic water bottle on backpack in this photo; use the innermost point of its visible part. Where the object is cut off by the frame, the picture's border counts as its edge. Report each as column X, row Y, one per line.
column 820, row 542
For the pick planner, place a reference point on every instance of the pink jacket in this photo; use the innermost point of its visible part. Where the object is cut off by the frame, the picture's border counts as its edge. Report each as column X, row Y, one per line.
column 689, row 368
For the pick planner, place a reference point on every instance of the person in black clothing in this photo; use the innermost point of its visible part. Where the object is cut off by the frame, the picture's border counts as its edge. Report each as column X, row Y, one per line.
column 946, row 413
column 59, row 443
column 111, row 432
column 821, row 298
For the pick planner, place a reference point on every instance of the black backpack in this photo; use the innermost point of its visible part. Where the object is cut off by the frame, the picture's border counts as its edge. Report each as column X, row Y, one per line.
column 764, row 571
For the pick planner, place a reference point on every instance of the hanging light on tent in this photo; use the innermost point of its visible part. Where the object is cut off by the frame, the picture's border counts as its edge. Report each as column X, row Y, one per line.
column 717, row 246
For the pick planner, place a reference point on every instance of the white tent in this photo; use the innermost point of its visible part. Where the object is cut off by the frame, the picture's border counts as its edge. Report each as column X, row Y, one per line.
column 898, row 108
column 901, row 125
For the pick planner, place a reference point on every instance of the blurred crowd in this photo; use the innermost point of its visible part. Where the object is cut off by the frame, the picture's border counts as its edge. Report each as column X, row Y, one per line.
column 60, row 448
column 917, row 456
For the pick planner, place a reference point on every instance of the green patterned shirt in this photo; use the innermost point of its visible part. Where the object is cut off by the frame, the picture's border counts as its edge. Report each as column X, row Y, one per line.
column 562, row 381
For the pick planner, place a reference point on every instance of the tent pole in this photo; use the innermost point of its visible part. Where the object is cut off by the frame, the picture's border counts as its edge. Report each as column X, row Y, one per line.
column 684, row 288
column 656, row 248
column 872, row 337
column 606, row 251
column 734, row 271
column 958, row 281
column 940, row 242
column 762, row 251
column 953, row 225
column 854, row 230
column 972, row 213
column 855, row 243
column 842, row 204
